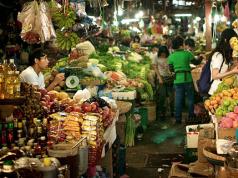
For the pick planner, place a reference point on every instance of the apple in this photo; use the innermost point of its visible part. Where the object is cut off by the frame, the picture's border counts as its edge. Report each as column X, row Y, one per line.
column 86, row 107
column 94, row 106
column 77, row 109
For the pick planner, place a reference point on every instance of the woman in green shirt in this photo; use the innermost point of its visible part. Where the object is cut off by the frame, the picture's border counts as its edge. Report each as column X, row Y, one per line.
column 179, row 62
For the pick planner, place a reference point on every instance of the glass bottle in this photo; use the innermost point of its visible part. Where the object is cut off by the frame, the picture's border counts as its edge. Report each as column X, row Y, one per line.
column 32, row 130
column 4, row 135
column 39, row 128
column 10, row 135
column 12, row 66
column 15, row 121
column 0, row 137
column 17, row 85
column 9, row 85
column 1, row 81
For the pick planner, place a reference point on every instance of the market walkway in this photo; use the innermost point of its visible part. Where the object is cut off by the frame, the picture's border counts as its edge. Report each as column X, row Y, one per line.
column 162, row 142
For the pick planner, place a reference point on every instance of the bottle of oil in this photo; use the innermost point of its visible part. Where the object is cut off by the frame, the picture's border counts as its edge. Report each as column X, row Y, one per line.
column 17, row 85
column 1, row 81
column 9, row 85
column 12, row 65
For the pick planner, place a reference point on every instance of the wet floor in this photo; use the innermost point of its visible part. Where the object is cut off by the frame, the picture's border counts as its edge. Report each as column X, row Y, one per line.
column 160, row 138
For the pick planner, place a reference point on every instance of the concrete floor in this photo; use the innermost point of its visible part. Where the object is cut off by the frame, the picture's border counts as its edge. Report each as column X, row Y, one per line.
column 159, row 138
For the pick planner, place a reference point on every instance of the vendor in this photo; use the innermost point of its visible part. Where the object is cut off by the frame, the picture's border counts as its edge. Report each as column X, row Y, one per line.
column 33, row 74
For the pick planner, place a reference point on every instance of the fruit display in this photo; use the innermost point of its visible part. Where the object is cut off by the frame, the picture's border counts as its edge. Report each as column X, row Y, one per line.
column 227, row 83
column 64, row 20
column 66, row 39
column 223, row 102
column 230, row 120
column 92, row 129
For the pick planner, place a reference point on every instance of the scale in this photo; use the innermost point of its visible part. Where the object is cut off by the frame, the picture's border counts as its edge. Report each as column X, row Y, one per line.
column 72, row 78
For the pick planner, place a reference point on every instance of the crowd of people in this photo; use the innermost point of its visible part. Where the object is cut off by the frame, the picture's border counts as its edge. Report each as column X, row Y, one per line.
column 172, row 61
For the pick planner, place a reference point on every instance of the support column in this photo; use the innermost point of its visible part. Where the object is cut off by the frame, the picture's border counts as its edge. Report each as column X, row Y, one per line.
column 208, row 33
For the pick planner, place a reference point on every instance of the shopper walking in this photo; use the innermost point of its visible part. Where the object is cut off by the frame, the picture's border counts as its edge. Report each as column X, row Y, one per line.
column 164, row 84
column 179, row 63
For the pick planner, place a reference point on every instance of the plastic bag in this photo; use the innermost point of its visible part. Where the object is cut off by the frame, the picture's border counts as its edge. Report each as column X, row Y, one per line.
column 82, row 95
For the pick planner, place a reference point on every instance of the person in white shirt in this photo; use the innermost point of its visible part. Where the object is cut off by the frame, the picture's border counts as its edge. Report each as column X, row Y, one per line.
column 33, row 74
column 221, row 60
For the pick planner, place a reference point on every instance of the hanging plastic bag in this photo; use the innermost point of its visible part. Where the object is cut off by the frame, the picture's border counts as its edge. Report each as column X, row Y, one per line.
column 30, row 22
column 48, row 30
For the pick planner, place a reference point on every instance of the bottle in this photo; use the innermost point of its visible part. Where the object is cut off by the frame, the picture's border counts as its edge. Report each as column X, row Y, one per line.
column 44, row 127
column 20, row 133
column 4, row 135
column 17, row 85
column 39, row 128
column 10, row 136
column 43, row 145
column 37, row 150
column 1, row 81
column 9, row 85
column 32, row 130
column 15, row 121
column 0, row 137
column 12, row 66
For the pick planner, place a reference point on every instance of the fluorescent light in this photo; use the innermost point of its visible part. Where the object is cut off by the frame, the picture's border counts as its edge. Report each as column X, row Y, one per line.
column 127, row 21
column 178, row 19
column 183, row 15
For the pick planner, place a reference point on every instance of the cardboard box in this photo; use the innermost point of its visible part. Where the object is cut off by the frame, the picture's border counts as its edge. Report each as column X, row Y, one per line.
column 227, row 133
column 225, row 137
column 192, row 137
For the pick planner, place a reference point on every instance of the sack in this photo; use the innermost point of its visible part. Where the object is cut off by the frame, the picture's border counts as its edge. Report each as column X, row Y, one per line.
column 204, row 83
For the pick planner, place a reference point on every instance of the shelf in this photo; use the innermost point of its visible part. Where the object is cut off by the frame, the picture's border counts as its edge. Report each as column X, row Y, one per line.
column 15, row 101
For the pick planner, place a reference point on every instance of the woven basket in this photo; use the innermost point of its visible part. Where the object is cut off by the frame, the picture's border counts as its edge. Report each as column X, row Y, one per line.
column 123, row 106
column 211, row 154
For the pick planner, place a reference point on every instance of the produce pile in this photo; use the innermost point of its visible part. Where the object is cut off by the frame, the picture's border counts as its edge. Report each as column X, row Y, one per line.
column 224, row 103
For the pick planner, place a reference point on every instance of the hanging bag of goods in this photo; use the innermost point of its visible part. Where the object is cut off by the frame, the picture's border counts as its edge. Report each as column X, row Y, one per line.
column 36, row 23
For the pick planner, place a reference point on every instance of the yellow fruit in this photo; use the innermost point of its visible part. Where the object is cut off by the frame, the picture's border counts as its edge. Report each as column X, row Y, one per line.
column 229, row 80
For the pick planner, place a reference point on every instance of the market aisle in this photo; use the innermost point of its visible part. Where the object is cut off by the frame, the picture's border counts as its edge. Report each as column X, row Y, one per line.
column 158, row 143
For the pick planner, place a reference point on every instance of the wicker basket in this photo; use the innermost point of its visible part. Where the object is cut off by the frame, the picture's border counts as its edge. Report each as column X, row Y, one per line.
column 212, row 156
column 123, row 106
